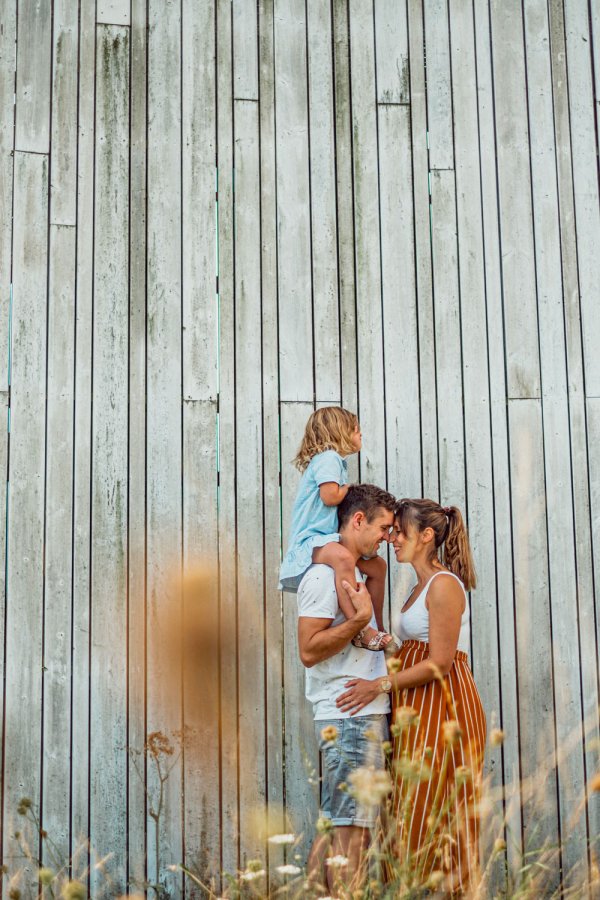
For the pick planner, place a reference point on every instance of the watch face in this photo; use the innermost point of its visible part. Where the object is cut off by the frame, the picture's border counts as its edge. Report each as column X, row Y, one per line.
column 386, row 684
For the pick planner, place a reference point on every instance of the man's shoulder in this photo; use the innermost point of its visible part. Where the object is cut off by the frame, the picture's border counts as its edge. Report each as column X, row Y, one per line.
column 316, row 593
column 318, row 573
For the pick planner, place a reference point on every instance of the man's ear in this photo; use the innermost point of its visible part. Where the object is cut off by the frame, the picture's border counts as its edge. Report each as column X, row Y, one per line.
column 358, row 518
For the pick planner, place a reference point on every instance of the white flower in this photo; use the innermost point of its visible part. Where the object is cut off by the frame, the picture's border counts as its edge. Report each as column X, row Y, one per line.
column 289, row 870
column 252, row 876
column 282, row 838
column 337, row 861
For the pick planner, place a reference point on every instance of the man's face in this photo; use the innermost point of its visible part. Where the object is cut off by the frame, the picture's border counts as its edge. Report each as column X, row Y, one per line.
column 369, row 535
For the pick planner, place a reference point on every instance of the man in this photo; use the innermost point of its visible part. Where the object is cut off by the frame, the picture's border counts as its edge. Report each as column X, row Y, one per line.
column 347, row 743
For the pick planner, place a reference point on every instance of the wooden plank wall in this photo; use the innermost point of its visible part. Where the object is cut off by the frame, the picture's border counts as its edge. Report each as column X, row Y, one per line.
column 216, row 216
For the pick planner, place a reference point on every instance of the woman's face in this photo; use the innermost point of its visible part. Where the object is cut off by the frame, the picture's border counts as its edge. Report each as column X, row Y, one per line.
column 407, row 543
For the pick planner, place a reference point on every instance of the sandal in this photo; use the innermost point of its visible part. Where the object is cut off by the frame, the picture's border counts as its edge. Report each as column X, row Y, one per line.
column 376, row 642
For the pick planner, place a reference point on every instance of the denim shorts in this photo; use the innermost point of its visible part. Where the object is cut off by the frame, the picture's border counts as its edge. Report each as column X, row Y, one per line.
column 358, row 745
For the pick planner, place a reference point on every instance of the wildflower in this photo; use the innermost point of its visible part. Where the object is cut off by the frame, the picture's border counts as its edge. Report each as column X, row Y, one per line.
column 254, row 865
column 408, row 769
column 324, row 826
column 496, row 737
column 499, row 845
column 337, row 861
column 462, row 774
column 370, row 786
column 252, row 876
column 386, row 747
column 74, row 890
column 282, row 838
column 329, row 733
column 485, row 807
column 289, row 870
column 435, row 880
column 451, row 731
column 393, row 665
column 158, row 743
column 46, row 876
column 595, row 784
column 405, row 716
column 24, row 805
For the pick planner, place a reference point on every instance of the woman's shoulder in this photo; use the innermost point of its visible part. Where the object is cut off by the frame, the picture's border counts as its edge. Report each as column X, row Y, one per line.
column 448, row 589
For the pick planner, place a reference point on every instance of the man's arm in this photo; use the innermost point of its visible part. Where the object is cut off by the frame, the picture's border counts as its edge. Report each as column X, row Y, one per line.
column 318, row 641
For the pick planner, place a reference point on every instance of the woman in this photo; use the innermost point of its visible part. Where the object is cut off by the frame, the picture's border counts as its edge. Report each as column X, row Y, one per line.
column 438, row 721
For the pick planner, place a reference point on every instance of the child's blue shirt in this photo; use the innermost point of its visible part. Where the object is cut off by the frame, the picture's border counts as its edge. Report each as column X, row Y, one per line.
column 313, row 523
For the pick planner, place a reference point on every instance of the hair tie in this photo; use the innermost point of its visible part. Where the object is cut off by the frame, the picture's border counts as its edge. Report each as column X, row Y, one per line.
column 447, row 510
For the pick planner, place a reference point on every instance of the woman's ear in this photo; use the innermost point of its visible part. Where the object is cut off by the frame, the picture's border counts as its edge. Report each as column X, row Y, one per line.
column 427, row 535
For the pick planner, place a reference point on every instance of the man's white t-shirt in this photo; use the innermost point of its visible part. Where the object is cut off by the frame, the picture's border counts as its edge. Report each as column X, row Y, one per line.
column 325, row 681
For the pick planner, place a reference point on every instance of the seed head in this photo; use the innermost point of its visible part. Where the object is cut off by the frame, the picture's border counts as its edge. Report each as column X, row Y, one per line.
column 14, row 894
column 499, row 845
column 74, row 890
column 462, row 774
column 496, row 737
column 435, row 879
column 24, row 806
column 46, row 876
column 405, row 716
column 324, row 825
column 329, row 733
column 451, row 731
column 254, row 865
column 595, row 784
column 369, row 785
column 158, row 744
column 393, row 665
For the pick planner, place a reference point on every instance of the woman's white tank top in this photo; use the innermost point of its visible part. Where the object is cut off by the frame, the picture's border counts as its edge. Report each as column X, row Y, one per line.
column 413, row 624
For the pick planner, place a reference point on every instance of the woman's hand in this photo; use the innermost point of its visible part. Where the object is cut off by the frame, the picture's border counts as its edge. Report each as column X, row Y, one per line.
column 359, row 693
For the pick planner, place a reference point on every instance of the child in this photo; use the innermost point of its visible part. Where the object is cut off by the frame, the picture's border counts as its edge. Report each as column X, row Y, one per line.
column 331, row 434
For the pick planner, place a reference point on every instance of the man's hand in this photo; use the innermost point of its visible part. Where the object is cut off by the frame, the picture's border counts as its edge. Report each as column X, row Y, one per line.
column 361, row 600
column 359, row 693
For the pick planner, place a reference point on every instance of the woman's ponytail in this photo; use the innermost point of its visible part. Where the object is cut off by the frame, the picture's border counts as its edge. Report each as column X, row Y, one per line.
column 457, row 550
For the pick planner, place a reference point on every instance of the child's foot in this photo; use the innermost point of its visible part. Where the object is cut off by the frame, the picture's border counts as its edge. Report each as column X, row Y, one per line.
column 369, row 639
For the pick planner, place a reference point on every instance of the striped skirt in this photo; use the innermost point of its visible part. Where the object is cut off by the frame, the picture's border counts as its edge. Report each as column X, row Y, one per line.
column 439, row 735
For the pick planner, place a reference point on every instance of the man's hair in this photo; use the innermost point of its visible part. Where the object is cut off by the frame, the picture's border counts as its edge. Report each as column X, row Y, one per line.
column 365, row 498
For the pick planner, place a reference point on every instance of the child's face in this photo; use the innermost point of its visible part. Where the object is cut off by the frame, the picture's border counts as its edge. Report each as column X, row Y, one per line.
column 357, row 438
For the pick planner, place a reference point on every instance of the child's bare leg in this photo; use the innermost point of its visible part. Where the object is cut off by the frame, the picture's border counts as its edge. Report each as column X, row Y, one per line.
column 376, row 571
column 343, row 564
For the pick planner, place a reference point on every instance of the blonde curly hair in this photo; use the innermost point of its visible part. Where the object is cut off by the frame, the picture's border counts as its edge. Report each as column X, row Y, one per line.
column 329, row 428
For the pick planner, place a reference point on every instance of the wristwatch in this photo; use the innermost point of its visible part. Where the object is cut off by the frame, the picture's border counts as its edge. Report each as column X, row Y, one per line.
column 385, row 684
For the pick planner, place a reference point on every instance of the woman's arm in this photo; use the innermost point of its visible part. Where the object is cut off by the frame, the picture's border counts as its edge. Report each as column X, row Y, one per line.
column 445, row 601
column 332, row 493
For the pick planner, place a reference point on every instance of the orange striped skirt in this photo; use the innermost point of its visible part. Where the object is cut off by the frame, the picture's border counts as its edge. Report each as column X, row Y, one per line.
column 437, row 764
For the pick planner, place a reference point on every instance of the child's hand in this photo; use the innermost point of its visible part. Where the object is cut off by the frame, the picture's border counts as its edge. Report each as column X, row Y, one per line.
column 361, row 600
